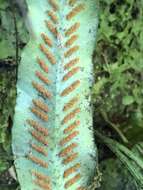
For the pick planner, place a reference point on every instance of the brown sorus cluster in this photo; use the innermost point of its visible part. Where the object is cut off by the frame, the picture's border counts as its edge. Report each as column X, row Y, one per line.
column 72, row 181
column 39, row 149
column 72, row 29
column 47, row 40
column 70, row 158
column 72, row 2
column 54, row 4
column 71, row 73
column 71, row 63
column 70, row 41
column 71, row 51
column 52, row 28
column 68, row 150
column 38, row 127
column 43, row 65
column 41, row 176
column 71, row 88
column 40, row 104
column 42, row 115
column 48, row 54
column 70, row 115
column 53, row 16
column 39, row 137
column 44, row 185
column 71, row 170
column 38, row 161
column 72, row 127
column 75, row 11
column 42, row 77
column 70, row 104
column 41, row 89
column 69, row 138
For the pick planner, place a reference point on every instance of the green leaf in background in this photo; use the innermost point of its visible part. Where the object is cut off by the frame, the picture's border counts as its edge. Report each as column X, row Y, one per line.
column 132, row 159
column 56, row 142
column 115, row 176
column 3, row 165
column 127, row 100
column 13, row 33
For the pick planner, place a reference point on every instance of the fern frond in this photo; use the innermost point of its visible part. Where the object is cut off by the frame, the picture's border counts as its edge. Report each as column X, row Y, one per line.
column 52, row 134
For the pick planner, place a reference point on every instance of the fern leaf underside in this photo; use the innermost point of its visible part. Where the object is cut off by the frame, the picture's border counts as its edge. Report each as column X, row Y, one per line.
column 52, row 134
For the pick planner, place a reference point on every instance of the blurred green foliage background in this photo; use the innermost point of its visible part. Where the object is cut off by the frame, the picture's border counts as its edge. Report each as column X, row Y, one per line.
column 117, row 92
column 118, row 89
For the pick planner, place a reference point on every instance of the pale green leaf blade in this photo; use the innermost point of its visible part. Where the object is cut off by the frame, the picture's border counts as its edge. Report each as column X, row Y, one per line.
column 58, row 120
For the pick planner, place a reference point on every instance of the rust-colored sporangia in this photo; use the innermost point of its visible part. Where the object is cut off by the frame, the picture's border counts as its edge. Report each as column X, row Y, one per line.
column 52, row 139
column 41, row 89
column 54, row 4
column 71, row 51
column 38, row 127
column 41, row 105
column 71, row 170
column 71, row 115
column 42, row 184
column 72, row 2
column 69, row 138
column 68, row 149
column 72, row 157
column 72, row 29
column 53, row 16
column 42, row 77
column 43, row 65
column 70, row 41
column 39, row 113
column 39, row 137
column 39, row 149
column 72, row 126
column 71, row 73
column 38, row 161
column 72, row 181
column 71, row 63
column 75, row 11
column 70, row 104
column 48, row 54
column 70, row 88
column 52, row 28
column 40, row 176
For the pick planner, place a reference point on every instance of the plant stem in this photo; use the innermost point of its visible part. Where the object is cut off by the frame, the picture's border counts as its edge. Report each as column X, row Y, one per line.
column 115, row 127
